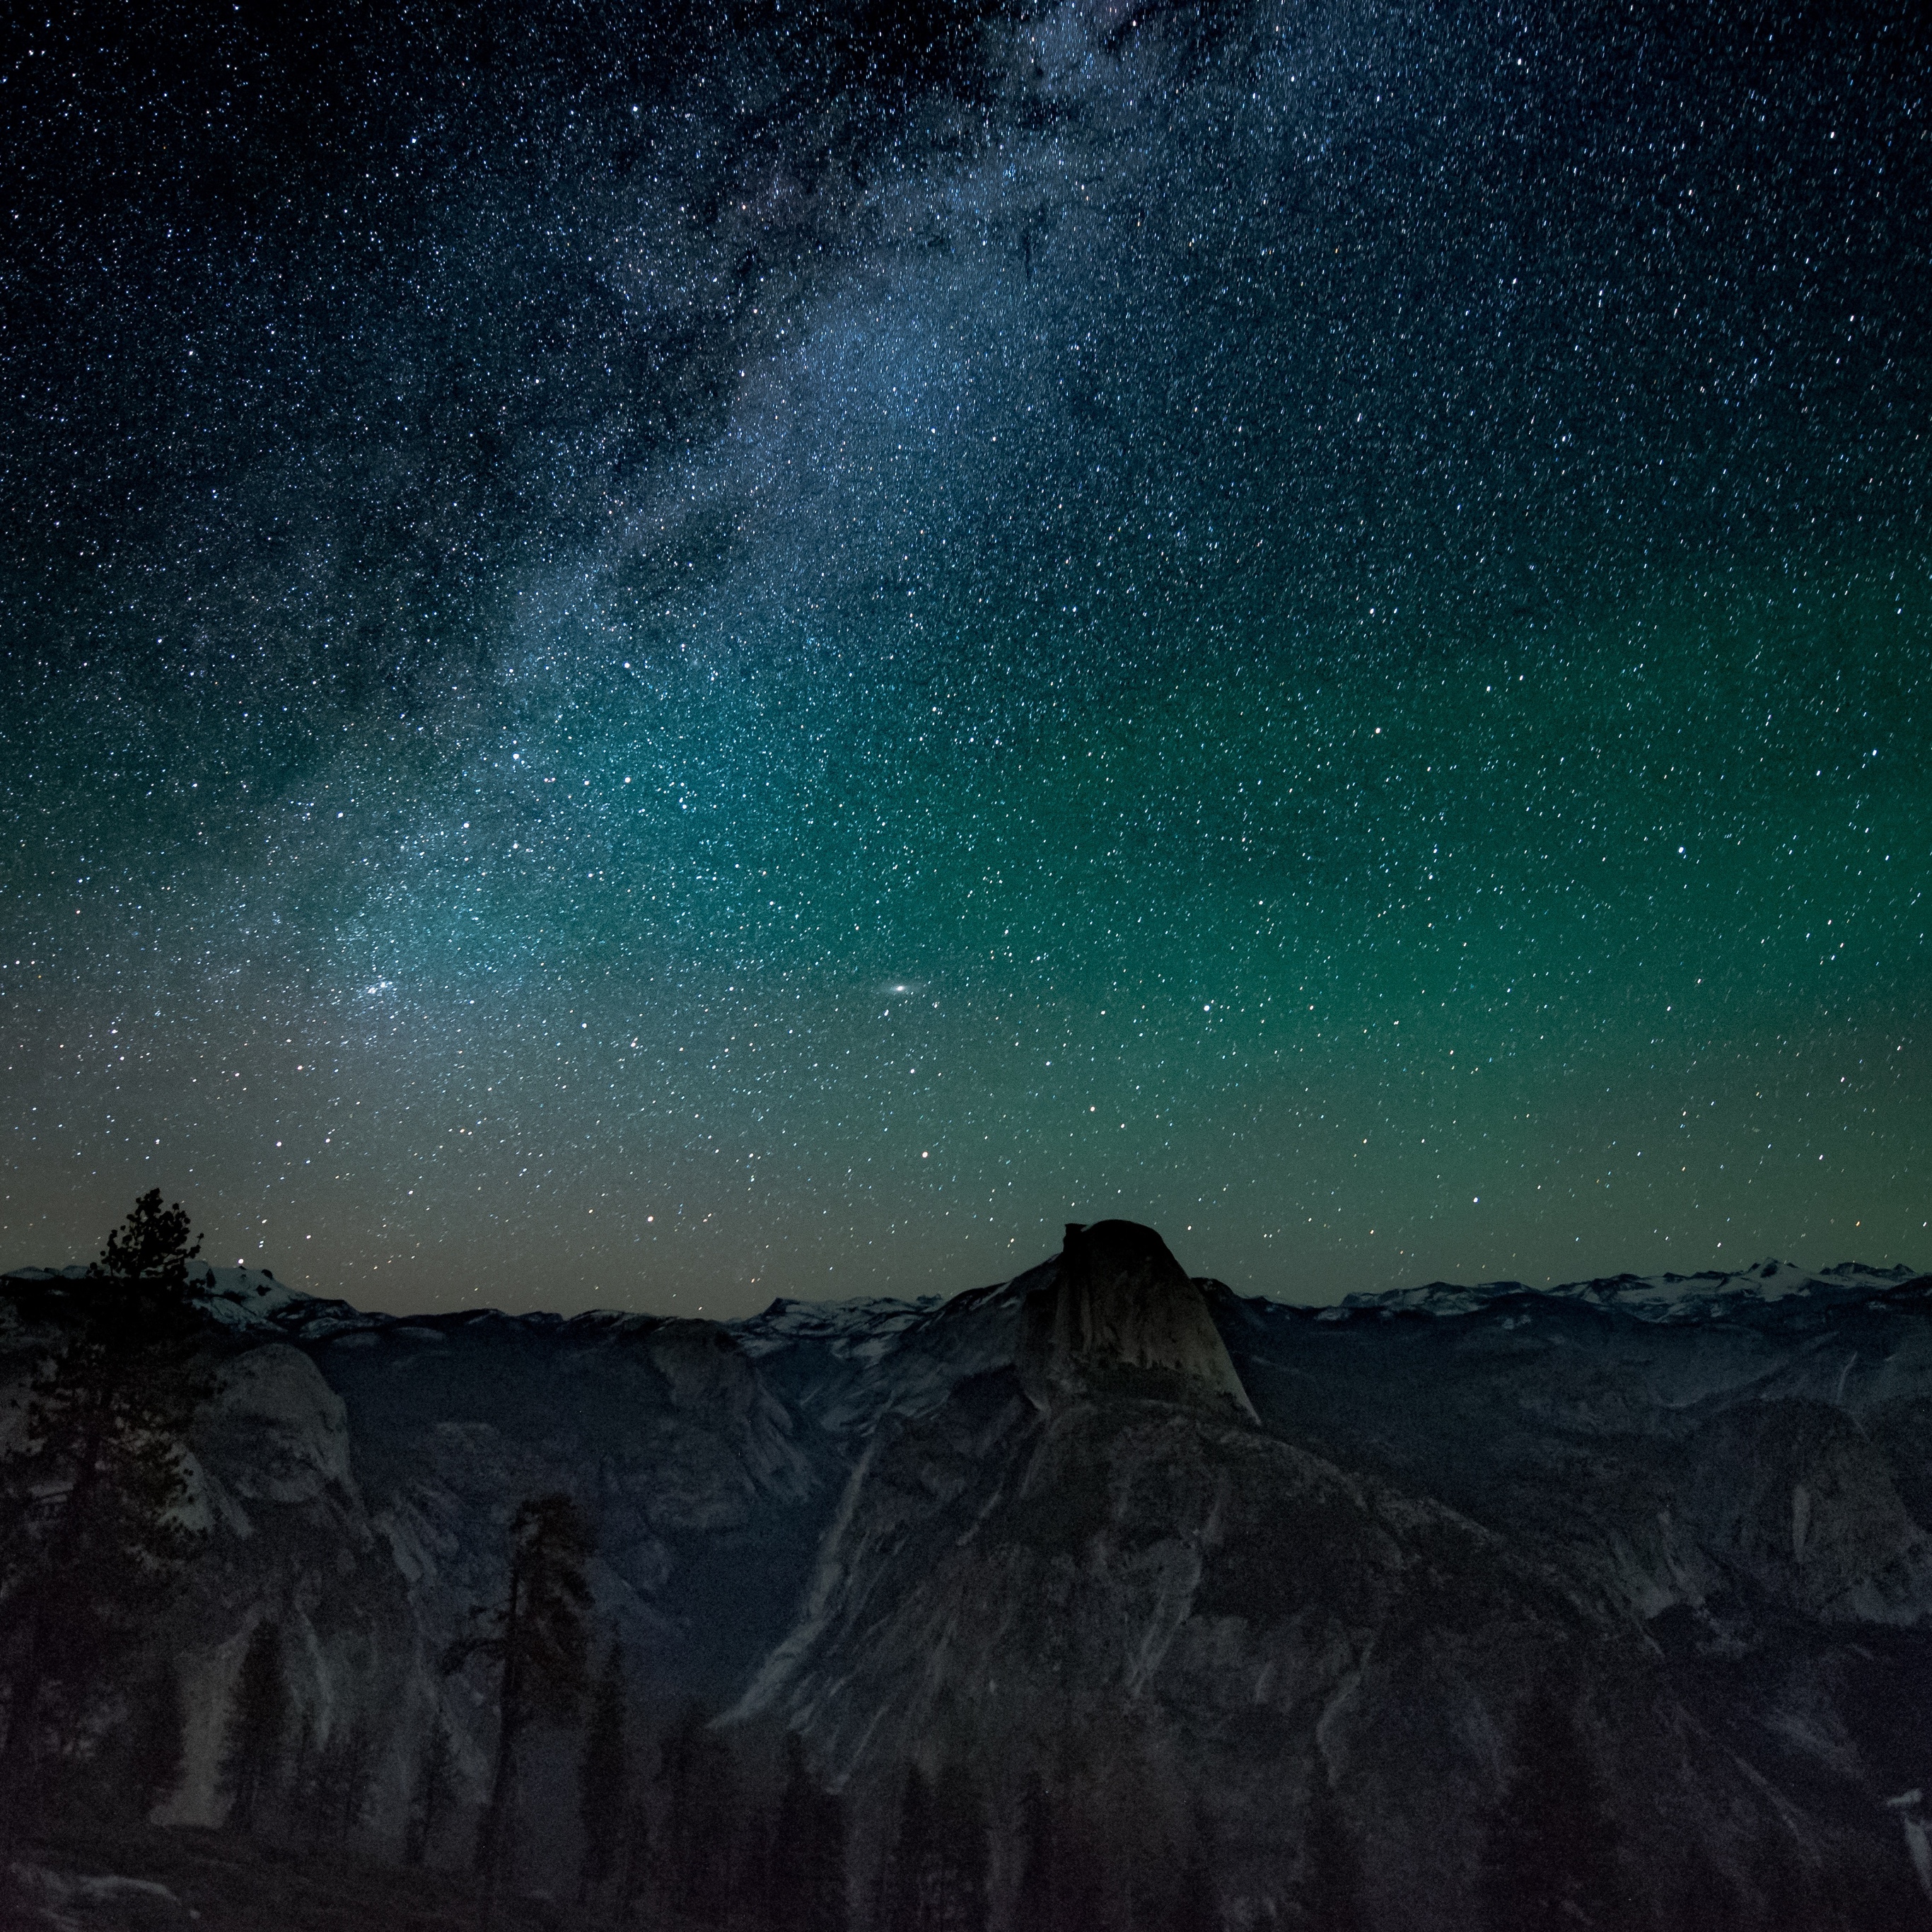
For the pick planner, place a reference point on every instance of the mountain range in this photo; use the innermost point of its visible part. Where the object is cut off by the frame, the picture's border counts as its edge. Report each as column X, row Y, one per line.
column 1210, row 1567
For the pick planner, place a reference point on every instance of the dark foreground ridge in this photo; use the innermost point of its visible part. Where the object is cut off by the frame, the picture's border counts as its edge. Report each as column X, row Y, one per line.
column 1103, row 1596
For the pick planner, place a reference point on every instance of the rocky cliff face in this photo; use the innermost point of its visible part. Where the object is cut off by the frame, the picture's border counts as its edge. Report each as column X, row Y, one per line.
column 1203, row 1561
column 1119, row 1313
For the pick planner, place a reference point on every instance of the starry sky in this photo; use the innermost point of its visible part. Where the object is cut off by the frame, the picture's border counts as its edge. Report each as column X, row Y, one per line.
column 655, row 655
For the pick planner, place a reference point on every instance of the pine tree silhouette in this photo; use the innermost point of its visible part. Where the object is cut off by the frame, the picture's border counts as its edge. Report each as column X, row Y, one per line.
column 156, row 1752
column 1063, row 1874
column 936, row 1876
column 604, row 1780
column 804, row 1868
column 699, row 1839
column 430, row 1795
column 959, row 1861
column 633, row 1859
column 90, row 1496
column 785, row 1848
column 344, row 1772
column 535, row 1637
column 824, row 1877
column 258, row 1723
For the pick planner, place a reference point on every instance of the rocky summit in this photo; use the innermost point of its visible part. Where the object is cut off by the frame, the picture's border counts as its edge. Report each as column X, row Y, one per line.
column 1118, row 1312
column 1256, row 1592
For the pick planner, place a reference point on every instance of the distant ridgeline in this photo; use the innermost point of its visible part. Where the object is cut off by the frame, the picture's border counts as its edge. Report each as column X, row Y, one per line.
column 1101, row 1596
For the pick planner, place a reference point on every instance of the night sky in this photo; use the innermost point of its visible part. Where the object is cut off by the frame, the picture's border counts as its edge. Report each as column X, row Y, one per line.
column 657, row 656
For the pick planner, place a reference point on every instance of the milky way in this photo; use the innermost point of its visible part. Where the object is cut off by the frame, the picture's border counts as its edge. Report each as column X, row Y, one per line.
column 662, row 657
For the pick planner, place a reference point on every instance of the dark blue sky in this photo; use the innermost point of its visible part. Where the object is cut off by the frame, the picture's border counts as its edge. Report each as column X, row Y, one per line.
column 664, row 657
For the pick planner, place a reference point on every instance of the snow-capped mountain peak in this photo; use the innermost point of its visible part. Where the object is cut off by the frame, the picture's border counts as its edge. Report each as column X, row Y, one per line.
column 1657, row 1297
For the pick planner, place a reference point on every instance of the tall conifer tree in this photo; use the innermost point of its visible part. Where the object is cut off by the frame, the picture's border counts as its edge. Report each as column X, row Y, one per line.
column 90, row 1496
column 604, row 1780
column 959, row 1863
column 155, row 1753
column 534, row 1636
column 258, row 1722
column 694, row 1871
column 805, row 1869
column 634, row 1859
column 826, row 1880
column 344, row 1773
column 936, row 1877
column 434, row 1785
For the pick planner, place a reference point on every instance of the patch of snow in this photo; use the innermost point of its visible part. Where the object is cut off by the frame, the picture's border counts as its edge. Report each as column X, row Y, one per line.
column 870, row 1319
column 1660, row 1297
column 242, row 1298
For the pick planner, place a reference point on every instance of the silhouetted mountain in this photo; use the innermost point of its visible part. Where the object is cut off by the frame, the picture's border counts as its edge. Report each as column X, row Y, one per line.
column 1377, row 1603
